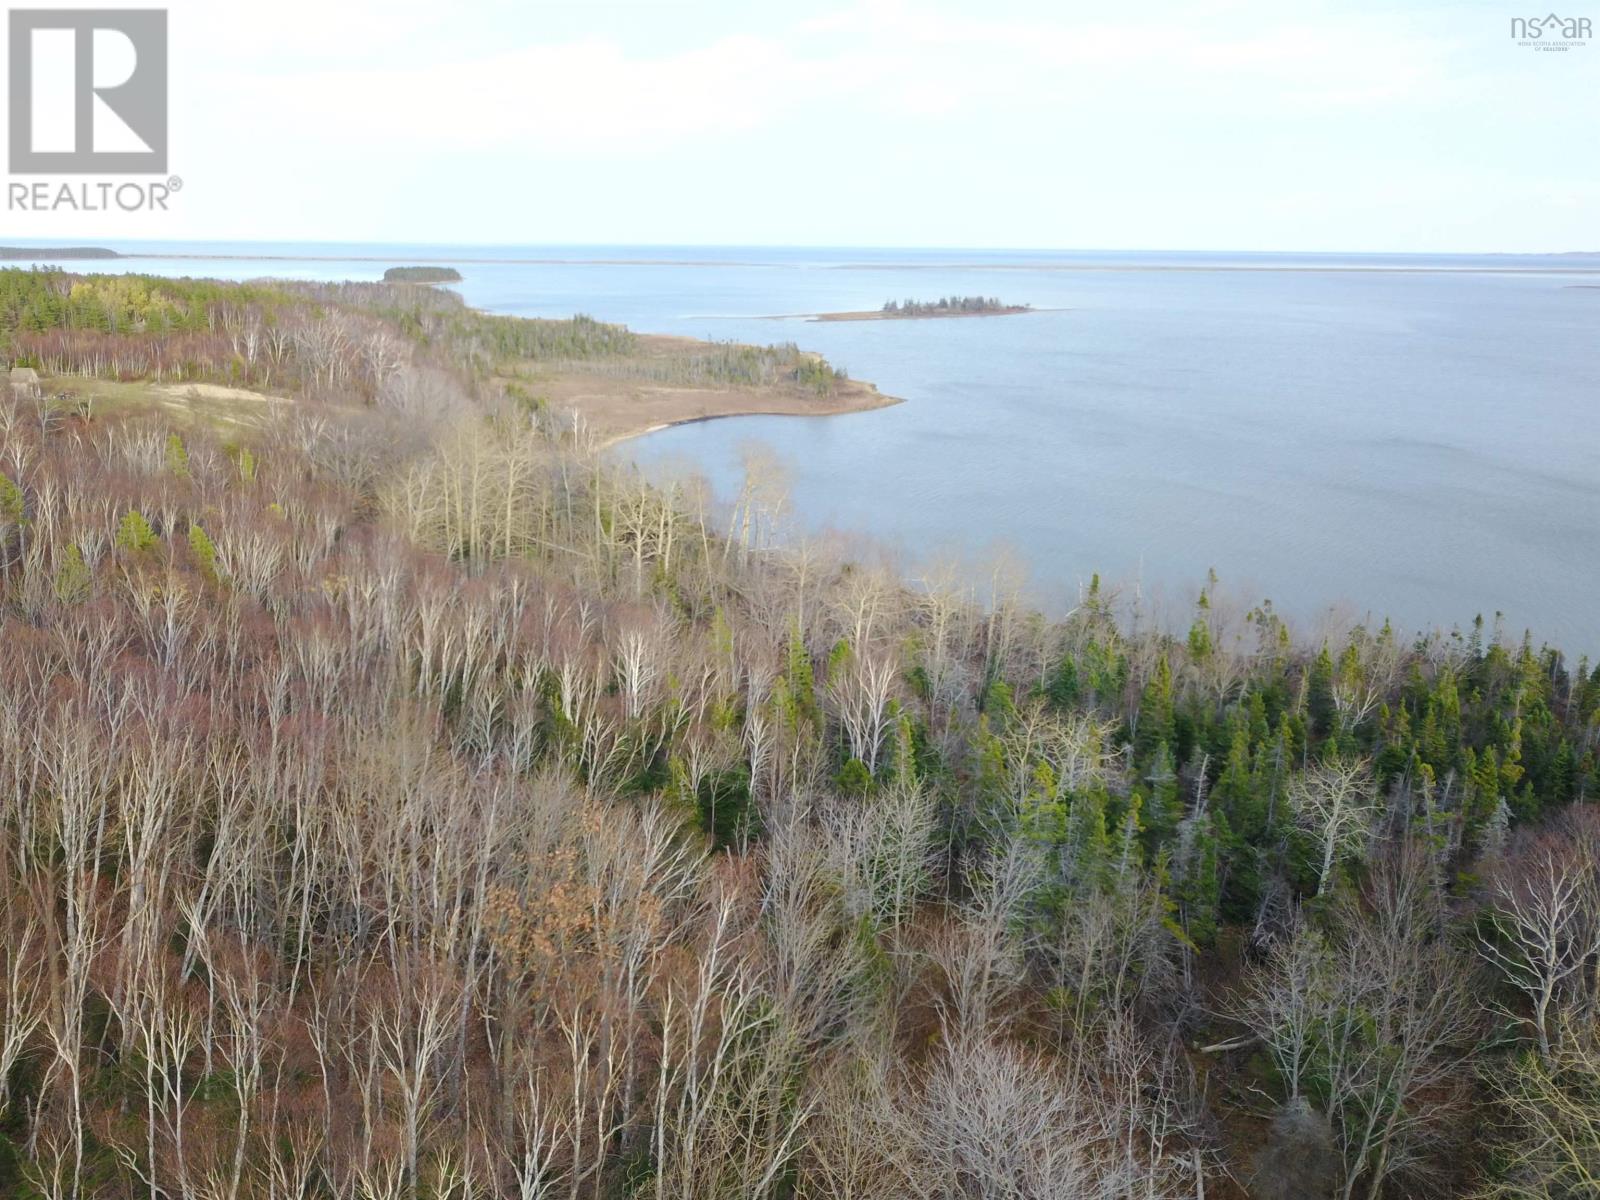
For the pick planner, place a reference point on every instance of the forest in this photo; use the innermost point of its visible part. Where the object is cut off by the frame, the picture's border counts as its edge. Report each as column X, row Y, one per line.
column 349, row 341
column 402, row 798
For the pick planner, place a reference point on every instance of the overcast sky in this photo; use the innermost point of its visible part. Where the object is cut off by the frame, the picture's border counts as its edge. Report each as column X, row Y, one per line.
column 1249, row 125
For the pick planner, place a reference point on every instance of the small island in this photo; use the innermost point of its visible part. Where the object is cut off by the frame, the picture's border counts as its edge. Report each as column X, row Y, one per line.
column 54, row 253
column 917, row 310
column 422, row 275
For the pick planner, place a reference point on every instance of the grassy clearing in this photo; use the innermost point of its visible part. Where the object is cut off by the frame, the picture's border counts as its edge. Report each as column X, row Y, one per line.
column 195, row 404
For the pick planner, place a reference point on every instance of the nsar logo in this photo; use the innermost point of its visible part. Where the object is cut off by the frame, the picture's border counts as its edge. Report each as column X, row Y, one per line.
column 1551, row 32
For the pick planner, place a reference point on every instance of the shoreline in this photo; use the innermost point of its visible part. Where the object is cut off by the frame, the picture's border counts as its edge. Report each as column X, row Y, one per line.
column 878, row 401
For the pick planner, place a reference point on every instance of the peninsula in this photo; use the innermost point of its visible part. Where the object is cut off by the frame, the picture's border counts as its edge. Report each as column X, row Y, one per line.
column 602, row 381
column 661, row 380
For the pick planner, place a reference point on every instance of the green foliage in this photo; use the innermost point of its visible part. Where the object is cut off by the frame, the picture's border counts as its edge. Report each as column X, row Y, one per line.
column 1063, row 691
column 1320, row 693
column 997, row 702
column 853, row 779
column 177, row 457
column 1197, row 875
column 12, row 505
column 1163, row 806
column 1157, row 723
column 134, row 534
column 204, row 551
column 1200, row 631
column 800, row 682
column 1088, row 846
column 1238, row 791
column 39, row 300
column 73, row 582
column 721, row 804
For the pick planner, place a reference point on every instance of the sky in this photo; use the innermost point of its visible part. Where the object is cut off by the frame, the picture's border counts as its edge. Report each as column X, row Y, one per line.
column 1201, row 125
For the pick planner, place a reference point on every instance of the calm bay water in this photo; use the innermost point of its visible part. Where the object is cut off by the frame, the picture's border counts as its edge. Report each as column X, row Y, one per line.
column 1415, row 439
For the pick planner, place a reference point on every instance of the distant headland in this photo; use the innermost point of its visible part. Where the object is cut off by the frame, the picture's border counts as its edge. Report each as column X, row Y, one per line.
column 51, row 253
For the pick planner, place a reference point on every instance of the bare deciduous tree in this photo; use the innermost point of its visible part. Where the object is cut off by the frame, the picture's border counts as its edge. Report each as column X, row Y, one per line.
column 1544, row 927
column 1335, row 804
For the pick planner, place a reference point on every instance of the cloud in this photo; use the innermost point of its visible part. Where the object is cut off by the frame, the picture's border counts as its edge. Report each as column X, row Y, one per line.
column 1249, row 50
column 889, row 57
column 582, row 96
column 1193, row 122
column 307, row 29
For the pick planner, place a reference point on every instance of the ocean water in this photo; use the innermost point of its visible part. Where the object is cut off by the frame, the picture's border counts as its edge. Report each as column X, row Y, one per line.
column 1412, row 437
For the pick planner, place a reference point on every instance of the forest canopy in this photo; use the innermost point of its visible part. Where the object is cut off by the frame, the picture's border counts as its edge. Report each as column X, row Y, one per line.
column 399, row 797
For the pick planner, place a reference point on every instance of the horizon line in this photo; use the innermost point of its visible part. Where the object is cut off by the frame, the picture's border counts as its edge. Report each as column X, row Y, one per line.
column 57, row 243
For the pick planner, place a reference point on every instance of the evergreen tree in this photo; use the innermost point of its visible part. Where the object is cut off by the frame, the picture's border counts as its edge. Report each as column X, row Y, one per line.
column 1161, row 807
column 1200, row 631
column 204, row 551
column 1129, row 851
column 1197, row 880
column 1088, row 848
column 1063, row 691
column 12, row 505
column 135, row 534
column 177, row 457
column 1156, row 724
column 73, row 582
column 1319, row 693
column 1235, row 793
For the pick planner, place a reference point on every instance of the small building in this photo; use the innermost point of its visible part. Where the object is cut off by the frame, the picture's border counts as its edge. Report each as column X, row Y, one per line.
column 25, row 383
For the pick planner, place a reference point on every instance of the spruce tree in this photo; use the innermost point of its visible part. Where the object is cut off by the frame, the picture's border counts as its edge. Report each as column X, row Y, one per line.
column 1156, row 725
column 135, row 534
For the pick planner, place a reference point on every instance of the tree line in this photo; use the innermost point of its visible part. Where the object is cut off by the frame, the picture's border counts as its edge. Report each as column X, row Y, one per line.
column 945, row 306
